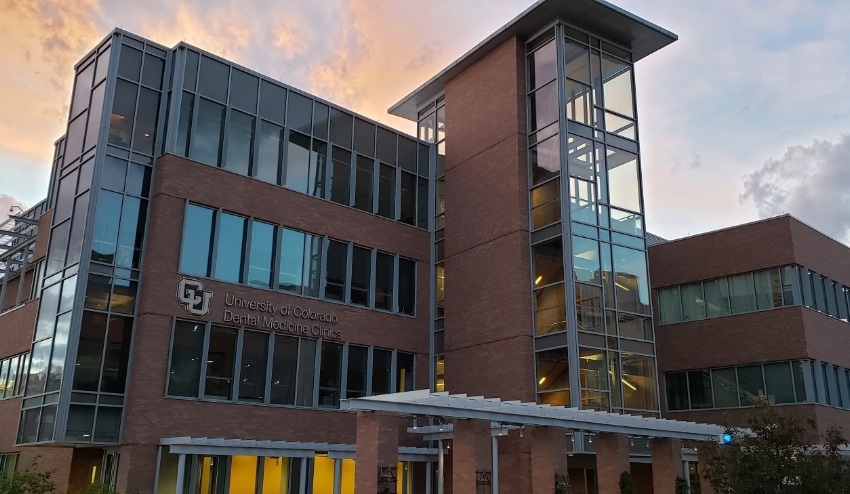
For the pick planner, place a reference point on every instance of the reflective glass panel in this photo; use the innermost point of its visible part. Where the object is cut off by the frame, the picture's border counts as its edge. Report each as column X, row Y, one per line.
column 270, row 152
column 546, row 204
column 240, row 143
column 545, row 160
column 361, row 275
column 252, row 375
column 543, row 106
column 260, row 260
column 196, row 246
column 297, row 162
column 90, row 352
column 363, row 183
column 548, row 262
column 208, row 137
column 306, row 373
column 632, row 283
column 381, row 371
column 750, row 384
column 336, row 274
column 623, row 180
column 541, row 65
column 291, row 272
column 553, row 371
column 384, row 276
column 357, row 370
column 330, row 375
column 406, row 286
column 284, row 368
column 340, row 176
column 230, row 243
column 221, row 360
column 639, row 382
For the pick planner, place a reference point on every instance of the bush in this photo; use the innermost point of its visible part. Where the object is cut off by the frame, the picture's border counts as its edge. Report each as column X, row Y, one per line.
column 561, row 484
column 29, row 481
column 682, row 486
column 627, row 484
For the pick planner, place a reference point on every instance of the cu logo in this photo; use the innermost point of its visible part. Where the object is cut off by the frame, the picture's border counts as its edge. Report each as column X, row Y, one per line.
column 191, row 293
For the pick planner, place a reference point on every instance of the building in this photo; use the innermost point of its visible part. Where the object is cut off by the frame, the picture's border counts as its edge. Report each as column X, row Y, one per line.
column 224, row 261
column 750, row 313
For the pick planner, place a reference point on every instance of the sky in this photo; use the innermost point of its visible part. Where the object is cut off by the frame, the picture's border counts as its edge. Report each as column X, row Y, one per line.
column 746, row 116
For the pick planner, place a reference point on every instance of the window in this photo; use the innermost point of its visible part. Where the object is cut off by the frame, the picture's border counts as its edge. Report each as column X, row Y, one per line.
column 221, row 360
column 340, row 175
column 699, row 383
column 670, row 305
column 358, row 360
column 407, row 213
column 384, row 278
column 742, row 294
column 291, row 275
column 284, row 368
column 406, row 286
column 337, row 271
column 546, row 204
column 208, row 138
column 404, row 372
column 386, row 191
column 270, row 149
column 230, row 255
column 298, row 162
column 260, row 259
column 240, row 143
column 196, row 249
column 381, row 371
column 363, row 183
column 187, row 350
column 330, row 375
column 361, row 266
column 252, row 375
column 677, row 391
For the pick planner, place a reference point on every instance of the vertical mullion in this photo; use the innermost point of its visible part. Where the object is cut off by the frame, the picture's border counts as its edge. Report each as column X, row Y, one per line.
column 214, row 251
column 202, row 380
column 237, row 365
column 267, row 392
column 373, row 277
column 317, row 370
column 343, row 380
column 246, row 256
column 369, row 364
column 349, row 261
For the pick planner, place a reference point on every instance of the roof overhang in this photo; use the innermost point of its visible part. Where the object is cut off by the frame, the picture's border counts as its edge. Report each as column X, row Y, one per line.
column 289, row 449
column 461, row 406
column 599, row 17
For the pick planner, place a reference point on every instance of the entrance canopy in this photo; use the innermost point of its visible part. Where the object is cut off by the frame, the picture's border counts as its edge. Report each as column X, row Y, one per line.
column 460, row 406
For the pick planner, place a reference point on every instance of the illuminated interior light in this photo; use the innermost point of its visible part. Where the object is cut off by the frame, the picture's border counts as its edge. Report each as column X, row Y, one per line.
column 630, row 385
column 623, row 287
column 542, row 380
column 538, row 280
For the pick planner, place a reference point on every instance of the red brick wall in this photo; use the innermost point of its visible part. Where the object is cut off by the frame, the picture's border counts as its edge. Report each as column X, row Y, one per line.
column 488, row 342
column 150, row 415
column 16, row 329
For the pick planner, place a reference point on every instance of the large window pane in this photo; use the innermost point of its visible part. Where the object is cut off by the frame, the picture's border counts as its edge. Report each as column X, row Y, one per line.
column 543, row 106
column 209, row 133
column 381, row 371
column 579, row 102
column 131, row 232
column 341, row 128
column 221, row 360
column 337, row 271
column 693, row 303
column 553, row 372
column 742, row 293
column 117, row 355
column 617, row 86
column 548, row 260
column 670, row 305
column 252, row 375
column 361, row 275
column 546, row 160
column 363, row 184
column 144, row 134
column 677, row 390
column 583, row 205
column 284, row 368
column 123, row 113
column 384, row 277
column 196, row 247
column 750, row 384
column 542, row 65
column 270, row 148
column 551, row 313
column 230, row 254
column 632, row 283
column 260, row 260
column 717, row 302
column 105, row 230
column 700, row 386
column 213, row 80
column 589, row 308
column 312, row 265
column 725, row 385
column 546, row 204
column 768, row 289
column 582, row 159
column 404, row 372
column 780, row 386
column 186, row 353
column 386, row 191
column 408, row 198
column 406, row 286
column 306, row 373
column 297, row 162
column 639, row 383
column 340, row 176
column 90, row 352
column 240, row 143
column 330, row 375
column 184, row 125
column 318, row 163
column 291, row 272
column 358, row 357
column 586, row 260
column 623, row 180
column 299, row 115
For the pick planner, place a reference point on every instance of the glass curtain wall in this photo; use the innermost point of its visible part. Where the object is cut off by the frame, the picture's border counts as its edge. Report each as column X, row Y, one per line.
column 239, row 121
column 78, row 367
column 586, row 218
column 432, row 129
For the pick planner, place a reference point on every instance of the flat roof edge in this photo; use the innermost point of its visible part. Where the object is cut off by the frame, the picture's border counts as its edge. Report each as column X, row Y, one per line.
column 646, row 38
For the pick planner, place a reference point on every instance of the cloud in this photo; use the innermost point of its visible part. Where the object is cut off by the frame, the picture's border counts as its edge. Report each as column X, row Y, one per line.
column 809, row 182
column 6, row 202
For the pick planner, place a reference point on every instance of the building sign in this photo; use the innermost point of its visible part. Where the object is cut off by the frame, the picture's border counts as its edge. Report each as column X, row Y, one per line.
column 192, row 295
column 298, row 320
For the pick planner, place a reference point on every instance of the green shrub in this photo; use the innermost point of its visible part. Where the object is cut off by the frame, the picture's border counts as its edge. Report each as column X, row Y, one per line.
column 682, row 486
column 28, row 481
column 627, row 484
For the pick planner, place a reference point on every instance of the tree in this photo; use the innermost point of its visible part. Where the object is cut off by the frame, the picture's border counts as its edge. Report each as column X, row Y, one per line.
column 779, row 455
column 29, row 481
